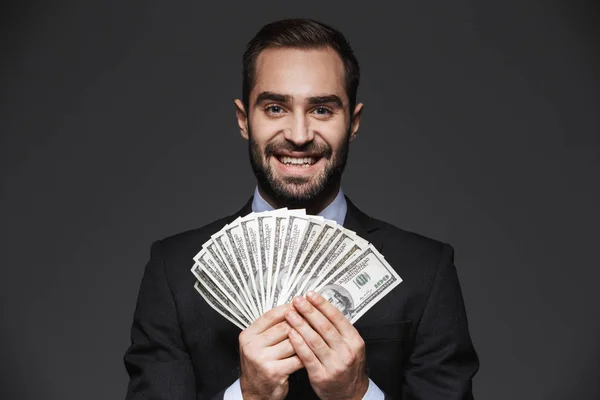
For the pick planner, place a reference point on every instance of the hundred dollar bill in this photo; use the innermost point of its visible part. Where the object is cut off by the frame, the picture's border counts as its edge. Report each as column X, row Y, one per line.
column 224, row 258
column 320, row 245
column 280, row 250
column 359, row 284
column 205, row 263
column 266, row 224
column 221, row 271
column 249, row 227
column 219, row 302
column 295, row 228
column 279, row 229
column 312, row 234
column 347, row 244
column 235, row 235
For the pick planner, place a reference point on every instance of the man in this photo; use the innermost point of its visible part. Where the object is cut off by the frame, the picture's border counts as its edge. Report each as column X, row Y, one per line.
column 299, row 114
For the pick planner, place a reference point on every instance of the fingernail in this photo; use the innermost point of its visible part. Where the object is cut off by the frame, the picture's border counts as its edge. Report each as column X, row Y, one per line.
column 311, row 294
column 293, row 316
column 299, row 300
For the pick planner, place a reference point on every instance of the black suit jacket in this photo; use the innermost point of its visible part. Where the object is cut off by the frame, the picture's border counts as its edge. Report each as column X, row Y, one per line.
column 417, row 340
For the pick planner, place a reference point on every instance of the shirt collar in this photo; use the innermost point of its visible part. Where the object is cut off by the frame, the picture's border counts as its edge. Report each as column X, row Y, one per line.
column 336, row 210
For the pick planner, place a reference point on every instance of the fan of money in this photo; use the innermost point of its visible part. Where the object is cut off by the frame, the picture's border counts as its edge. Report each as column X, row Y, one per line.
column 264, row 259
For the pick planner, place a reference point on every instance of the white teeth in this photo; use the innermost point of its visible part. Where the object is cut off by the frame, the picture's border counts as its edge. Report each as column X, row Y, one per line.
column 297, row 160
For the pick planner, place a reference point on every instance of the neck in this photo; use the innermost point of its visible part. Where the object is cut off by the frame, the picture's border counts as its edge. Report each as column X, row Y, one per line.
column 313, row 206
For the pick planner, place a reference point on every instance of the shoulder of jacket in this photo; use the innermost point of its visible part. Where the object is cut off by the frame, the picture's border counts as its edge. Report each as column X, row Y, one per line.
column 395, row 233
column 195, row 237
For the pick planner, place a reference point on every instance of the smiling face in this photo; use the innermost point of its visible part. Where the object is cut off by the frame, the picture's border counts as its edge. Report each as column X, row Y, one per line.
column 298, row 125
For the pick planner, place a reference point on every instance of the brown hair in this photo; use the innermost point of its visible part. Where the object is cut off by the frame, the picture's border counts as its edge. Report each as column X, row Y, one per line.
column 303, row 34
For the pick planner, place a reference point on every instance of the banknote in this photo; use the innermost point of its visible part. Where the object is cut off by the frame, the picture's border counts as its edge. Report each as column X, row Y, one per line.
column 304, row 271
column 221, row 272
column 311, row 236
column 205, row 264
column 230, row 255
column 360, row 284
column 249, row 227
column 236, row 238
column 285, row 232
column 279, row 228
column 264, row 259
column 266, row 224
column 295, row 228
column 343, row 250
column 218, row 301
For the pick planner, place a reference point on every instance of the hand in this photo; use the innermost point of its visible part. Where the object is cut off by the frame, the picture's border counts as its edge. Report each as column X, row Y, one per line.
column 267, row 356
column 330, row 348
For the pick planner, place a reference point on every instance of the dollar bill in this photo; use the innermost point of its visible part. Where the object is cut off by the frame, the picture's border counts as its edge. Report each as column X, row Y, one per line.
column 227, row 253
column 295, row 228
column 227, row 277
column 342, row 250
column 279, row 229
column 219, row 302
column 204, row 263
column 264, row 259
column 249, row 227
column 304, row 271
column 360, row 284
column 311, row 235
column 266, row 238
column 235, row 236
column 281, row 250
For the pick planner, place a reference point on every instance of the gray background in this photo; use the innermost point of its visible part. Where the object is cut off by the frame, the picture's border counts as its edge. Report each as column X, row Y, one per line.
column 481, row 129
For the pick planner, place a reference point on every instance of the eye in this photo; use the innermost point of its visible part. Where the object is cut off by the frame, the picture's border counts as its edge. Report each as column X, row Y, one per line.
column 324, row 111
column 273, row 109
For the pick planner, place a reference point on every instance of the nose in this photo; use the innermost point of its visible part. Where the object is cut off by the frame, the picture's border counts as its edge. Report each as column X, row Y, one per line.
column 299, row 132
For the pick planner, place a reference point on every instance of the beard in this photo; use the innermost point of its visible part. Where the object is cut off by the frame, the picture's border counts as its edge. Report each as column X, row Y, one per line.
column 298, row 192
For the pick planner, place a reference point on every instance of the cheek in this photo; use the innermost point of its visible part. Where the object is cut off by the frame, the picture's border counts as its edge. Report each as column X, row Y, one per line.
column 264, row 129
column 335, row 135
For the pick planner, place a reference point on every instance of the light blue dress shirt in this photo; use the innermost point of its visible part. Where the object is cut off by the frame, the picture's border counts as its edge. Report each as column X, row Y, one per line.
column 335, row 211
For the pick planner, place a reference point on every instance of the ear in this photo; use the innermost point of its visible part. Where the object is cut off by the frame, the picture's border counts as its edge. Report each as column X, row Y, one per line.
column 242, row 118
column 355, row 120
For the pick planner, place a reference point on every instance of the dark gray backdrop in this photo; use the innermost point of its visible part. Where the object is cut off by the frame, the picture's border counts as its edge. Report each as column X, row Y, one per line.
column 480, row 129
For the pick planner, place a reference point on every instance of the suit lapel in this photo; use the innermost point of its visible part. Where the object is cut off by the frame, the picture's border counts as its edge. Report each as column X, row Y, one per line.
column 245, row 210
column 361, row 224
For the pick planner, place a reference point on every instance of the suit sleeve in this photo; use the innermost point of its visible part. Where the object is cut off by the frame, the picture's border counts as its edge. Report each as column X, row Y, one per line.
column 443, row 360
column 157, row 361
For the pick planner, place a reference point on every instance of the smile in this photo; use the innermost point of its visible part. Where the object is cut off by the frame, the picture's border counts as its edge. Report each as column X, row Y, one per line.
column 297, row 161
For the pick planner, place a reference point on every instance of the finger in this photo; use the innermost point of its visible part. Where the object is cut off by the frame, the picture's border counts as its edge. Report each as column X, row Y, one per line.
column 281, row 350
column 318, row 321
column 289, row 365
column 305, row 354
column 276, row 333
column 268, row 319
column 314, row 341
column 339, row 321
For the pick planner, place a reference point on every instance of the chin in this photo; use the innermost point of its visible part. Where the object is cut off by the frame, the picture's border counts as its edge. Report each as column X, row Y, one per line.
column 297, row 195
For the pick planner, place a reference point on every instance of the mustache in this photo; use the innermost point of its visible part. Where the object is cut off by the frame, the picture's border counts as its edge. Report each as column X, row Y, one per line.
column 322, row 150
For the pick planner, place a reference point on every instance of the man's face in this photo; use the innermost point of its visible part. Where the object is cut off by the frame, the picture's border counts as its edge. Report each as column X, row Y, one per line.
column 299, row 123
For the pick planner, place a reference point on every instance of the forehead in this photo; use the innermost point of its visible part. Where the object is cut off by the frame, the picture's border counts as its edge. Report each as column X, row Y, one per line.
column 299, row 73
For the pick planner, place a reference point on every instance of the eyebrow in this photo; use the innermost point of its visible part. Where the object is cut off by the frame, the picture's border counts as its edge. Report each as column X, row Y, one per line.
column 327, row 99
column 284, row 98
column 271, row 96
